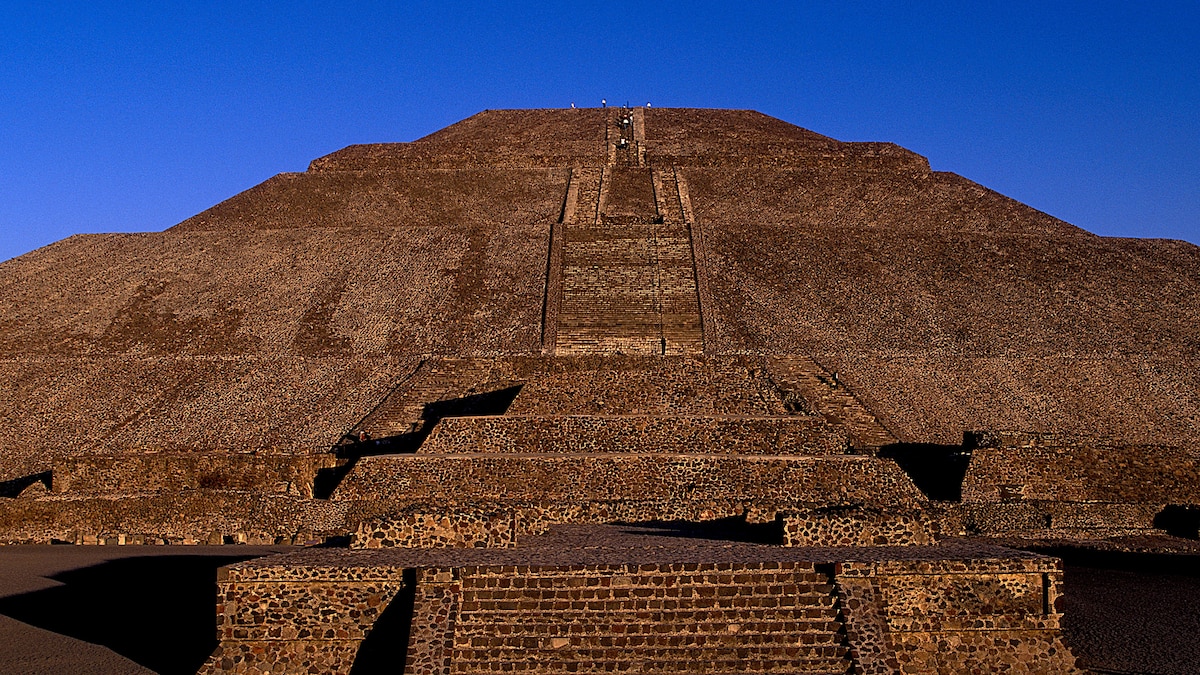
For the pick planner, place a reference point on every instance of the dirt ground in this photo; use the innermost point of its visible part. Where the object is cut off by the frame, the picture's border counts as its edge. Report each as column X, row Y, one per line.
column 109, row 609
column 1133, row 613
column 141, row 610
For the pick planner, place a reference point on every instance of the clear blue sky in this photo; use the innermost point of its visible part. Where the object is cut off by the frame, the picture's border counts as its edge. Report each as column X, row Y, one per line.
column 134, row 116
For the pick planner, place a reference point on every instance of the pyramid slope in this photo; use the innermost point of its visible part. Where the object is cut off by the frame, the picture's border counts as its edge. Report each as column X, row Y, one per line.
column 944, row 305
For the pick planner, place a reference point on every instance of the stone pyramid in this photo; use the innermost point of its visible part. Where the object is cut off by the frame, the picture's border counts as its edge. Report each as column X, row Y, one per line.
column 545, row 351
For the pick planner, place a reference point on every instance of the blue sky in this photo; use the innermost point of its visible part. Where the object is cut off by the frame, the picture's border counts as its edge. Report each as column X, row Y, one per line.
column 135, row 116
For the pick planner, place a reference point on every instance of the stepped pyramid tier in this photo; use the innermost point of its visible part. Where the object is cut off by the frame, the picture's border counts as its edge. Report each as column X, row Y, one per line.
column 478, row 366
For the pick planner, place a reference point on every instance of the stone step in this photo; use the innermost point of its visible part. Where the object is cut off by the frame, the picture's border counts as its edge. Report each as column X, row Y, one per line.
column 602, row 326
column 667, row 663
column 659, row 660
column 591, row 340
column 531, row 434
column 832, row 399
column 716, row 591
column 763, row 604
column 688, row 480
column 781, row 626
column 646, row 625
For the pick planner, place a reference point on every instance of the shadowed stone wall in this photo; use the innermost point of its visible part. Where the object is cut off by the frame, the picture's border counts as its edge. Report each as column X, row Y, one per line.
column 1063, row 486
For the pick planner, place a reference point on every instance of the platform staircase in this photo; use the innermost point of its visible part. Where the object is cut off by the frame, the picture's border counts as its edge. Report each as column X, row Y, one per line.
column 407, row 408
column 643, row 619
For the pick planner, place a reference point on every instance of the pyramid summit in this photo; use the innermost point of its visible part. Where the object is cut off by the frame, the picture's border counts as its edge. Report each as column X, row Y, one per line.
column 460, row 361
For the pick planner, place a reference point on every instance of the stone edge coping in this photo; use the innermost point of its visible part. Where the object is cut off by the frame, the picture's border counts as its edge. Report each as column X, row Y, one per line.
column 791, row 419
column 615, row 547
column 657, row 456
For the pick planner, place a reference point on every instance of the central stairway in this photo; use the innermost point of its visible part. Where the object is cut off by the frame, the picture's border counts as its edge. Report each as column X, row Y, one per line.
column 702, row 618
column 628, row 274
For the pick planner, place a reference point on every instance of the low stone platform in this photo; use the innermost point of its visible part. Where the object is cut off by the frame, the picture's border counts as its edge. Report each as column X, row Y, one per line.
column 651, row 600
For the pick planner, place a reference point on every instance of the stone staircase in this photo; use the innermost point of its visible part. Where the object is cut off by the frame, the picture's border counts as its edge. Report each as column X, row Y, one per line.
column 830, row 398
column 403, row 411
column 628, row 277
column 699, row 618
column 626, row 137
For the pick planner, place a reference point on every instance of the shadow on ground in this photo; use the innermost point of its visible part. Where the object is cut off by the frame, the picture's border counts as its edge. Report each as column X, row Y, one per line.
column 733, row 528
column 157, row 611
column 1132, row 612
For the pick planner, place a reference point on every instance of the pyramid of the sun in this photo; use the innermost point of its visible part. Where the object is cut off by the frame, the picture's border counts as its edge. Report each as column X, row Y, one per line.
column 540, row 318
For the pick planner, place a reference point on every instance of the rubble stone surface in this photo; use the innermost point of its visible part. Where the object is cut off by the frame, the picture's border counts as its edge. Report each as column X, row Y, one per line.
column 435, row 358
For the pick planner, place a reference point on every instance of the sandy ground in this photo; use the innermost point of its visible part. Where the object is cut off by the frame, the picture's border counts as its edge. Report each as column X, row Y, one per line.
column 127, row 610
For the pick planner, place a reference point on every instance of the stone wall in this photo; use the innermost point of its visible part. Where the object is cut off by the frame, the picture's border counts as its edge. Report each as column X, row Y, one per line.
column 627, row 385
column 501, row 525
column 636, row 434
column 578, row 479
column 859, row 527
column 1035, row 467
column 63, row 408
column 319, row 291
column 455, row 197
column 587, row 385
column 490, row 500
column 201, row 516
column 128, row 473
column 1061, row 520
column 397, row 157
column 955, row 616
column 1142, row 398
column 885, row 158
column 301, row 619
column 1064, row 486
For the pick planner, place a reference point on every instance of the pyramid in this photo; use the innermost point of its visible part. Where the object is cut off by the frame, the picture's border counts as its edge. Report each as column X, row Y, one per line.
column 605, row 390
